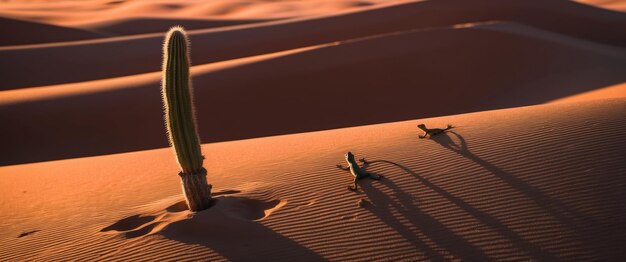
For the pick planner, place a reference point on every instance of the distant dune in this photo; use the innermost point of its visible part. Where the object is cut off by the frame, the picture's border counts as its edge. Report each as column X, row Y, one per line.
column 141, row 53
column 617, row 5
column 134, row 26
column 76, row 13
column 17, row 32
column 418, row 74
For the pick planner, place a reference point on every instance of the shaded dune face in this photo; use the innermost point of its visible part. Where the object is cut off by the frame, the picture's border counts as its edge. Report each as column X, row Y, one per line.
column 132, row 55
column 18, row 32
column 418, row 74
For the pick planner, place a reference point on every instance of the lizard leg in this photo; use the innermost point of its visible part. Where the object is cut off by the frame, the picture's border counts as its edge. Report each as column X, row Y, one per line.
column 374, row 176
column 343, row 168
column 354, row 186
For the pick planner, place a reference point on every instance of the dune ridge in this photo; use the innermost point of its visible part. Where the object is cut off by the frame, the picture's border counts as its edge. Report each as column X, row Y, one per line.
column 79, row 13
column 132, row 55
column 618, row 90
column 415, row 65
column 17, row 32
column 617, row 5
column 135, row 26
column 539, row 182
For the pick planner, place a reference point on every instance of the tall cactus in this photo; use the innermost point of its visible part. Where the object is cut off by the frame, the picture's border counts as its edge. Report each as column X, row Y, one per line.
column 180, row 119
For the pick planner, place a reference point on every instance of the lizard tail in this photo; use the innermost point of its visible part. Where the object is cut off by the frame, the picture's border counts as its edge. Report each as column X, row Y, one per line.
column 449, row 127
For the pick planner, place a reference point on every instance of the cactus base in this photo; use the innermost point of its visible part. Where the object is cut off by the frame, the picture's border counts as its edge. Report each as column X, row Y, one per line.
column 196, row 189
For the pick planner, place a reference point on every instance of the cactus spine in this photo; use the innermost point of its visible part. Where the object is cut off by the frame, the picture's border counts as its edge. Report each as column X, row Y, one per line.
column 180, row 119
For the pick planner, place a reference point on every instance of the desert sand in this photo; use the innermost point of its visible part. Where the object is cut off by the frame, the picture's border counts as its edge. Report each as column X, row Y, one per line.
column 533, row 168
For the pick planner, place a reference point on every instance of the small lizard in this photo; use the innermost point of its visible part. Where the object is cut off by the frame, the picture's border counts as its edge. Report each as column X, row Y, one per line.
column 431, row 132
column 357, row 171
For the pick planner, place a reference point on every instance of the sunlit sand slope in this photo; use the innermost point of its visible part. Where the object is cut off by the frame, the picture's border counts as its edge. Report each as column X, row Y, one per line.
column 534, row 183
column 617, row 5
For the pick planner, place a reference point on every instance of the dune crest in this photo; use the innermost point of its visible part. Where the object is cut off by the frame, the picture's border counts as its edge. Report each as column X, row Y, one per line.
column 129, row 55
column 384, row 85
column 18, row 32
column 617, row 5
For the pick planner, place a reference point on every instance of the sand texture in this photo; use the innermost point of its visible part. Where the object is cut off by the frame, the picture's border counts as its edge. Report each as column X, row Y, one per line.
column 513, row 184
column 532, row 170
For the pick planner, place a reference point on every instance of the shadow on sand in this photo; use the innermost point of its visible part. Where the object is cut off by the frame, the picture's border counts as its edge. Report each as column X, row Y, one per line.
column 458, row 247
column 397, row 211
column 236, row 236
column 566, row 215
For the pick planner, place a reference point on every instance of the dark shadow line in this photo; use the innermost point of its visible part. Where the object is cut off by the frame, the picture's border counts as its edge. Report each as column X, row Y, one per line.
column 483, row 217
column 563, row 213
column 433, row 229
column 253, row 240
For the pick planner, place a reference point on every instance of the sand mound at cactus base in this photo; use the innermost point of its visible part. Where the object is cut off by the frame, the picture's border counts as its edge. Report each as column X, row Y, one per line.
column 231, row 219
column 541, row 182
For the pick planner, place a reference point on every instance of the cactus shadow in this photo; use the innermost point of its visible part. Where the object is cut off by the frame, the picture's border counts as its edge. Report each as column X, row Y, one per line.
column 237, row 237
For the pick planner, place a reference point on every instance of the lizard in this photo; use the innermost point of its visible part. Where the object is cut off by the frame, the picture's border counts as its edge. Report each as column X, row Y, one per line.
column 431, row 132
column 357, row 171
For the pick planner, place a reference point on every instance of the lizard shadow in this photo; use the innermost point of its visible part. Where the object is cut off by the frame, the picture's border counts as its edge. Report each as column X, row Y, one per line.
column 484, row 218
column 566, row 215
column 396, row 209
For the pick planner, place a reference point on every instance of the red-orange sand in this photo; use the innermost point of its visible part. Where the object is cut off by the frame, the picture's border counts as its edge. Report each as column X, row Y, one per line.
column 533, row 170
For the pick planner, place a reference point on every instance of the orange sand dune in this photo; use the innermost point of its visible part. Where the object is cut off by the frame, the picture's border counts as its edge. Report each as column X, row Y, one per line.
column 617, row 5
column 418, row 74
column 97, row 59
column 134, row 26
column 614, row 91
column 17, row 32
column 534, row 183
column 76, row 13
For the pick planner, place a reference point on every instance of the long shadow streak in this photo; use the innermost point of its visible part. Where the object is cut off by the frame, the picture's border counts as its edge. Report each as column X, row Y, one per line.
column 238, row 239
column 433, row 229
column 484, row 218
column 564, row 214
